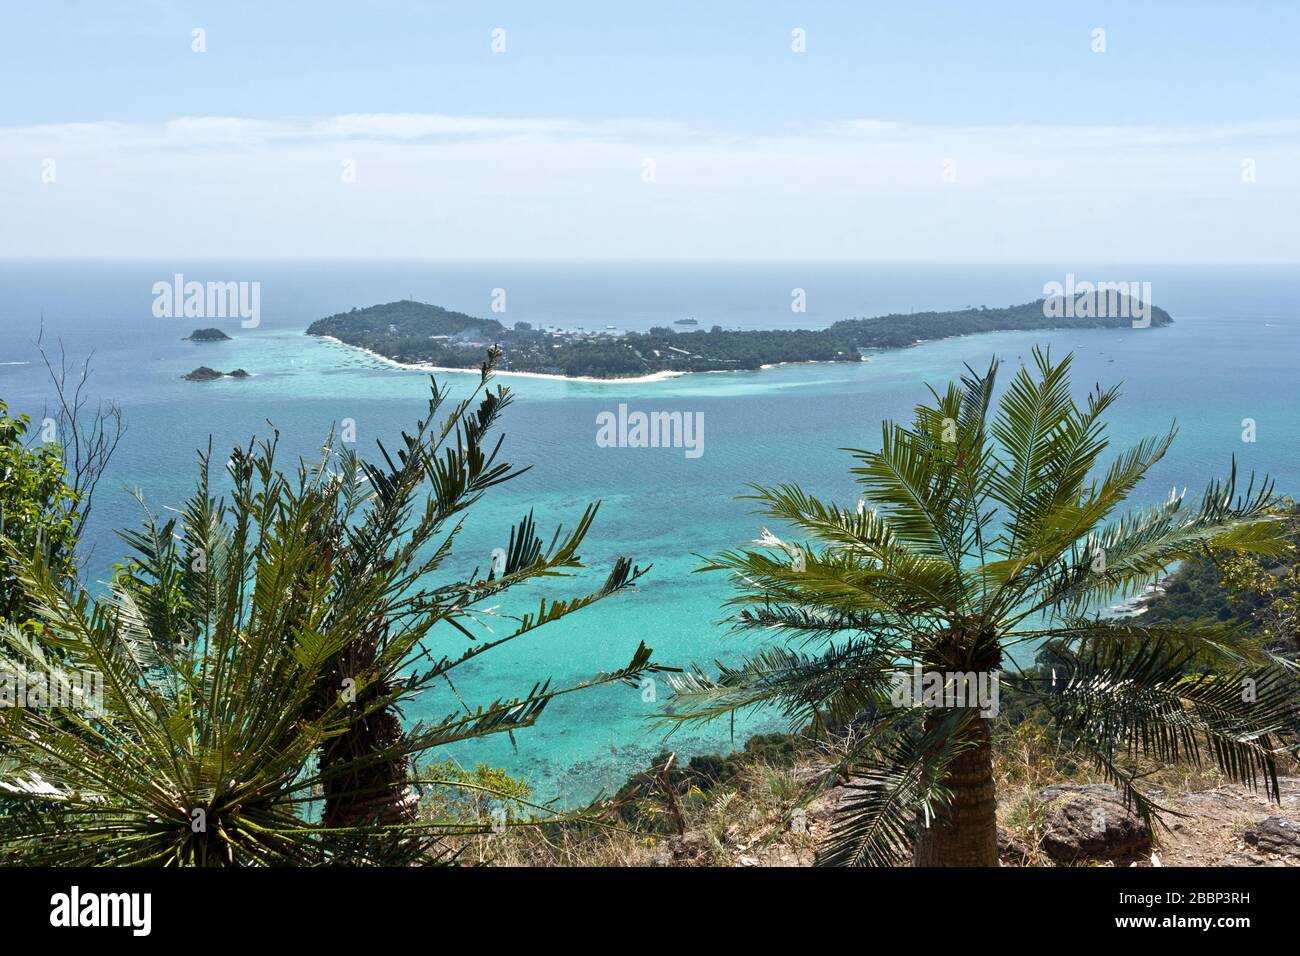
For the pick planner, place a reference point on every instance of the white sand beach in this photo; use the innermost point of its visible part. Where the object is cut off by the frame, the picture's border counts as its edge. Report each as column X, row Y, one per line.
column 421, row 367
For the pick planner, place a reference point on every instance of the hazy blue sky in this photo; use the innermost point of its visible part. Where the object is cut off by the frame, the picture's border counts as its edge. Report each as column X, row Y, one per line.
column 930, row 130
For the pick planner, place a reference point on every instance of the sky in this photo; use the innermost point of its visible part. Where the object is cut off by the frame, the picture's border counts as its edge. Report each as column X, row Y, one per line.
column 919, row 130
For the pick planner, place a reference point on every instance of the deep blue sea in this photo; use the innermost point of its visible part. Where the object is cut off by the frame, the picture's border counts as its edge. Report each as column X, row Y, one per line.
column 1231, row 354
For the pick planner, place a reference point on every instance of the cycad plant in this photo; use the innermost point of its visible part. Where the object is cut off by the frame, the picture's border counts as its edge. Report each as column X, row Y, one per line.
column 979, row 530
column 254, row 653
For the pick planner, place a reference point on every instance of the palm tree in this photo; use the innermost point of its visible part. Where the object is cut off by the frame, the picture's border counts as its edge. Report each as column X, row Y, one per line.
column 254, row 654
column 976, row 533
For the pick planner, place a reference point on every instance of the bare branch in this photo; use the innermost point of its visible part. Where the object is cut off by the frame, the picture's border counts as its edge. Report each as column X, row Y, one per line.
column 87, row 435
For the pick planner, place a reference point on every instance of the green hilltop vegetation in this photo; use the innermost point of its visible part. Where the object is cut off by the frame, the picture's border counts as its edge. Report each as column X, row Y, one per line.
column 415, row 332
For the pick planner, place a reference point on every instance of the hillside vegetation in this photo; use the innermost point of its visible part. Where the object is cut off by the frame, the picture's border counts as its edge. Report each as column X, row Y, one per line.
column 417, row 333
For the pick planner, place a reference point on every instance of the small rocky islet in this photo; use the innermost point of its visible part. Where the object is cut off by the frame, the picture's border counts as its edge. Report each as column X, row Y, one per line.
column 207, row 335
column 205, row 374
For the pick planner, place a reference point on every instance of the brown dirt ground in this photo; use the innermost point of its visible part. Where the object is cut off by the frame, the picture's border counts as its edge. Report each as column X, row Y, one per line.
column 1208, row 834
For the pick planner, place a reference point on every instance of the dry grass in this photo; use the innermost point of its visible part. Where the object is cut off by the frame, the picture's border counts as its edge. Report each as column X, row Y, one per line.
column 751, row 808
column 1028, row 758
column 1024, row 761
column 755, row 818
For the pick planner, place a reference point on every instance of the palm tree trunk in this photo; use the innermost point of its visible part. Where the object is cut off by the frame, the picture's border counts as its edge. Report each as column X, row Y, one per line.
column 367, row 788
column 968, row 834
column 367, row 777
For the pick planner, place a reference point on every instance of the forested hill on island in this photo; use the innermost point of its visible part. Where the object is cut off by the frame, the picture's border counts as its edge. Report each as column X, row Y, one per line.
column 416, row 333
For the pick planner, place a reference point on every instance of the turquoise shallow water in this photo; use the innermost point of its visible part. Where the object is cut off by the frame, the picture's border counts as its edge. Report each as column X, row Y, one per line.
column 1231, row 354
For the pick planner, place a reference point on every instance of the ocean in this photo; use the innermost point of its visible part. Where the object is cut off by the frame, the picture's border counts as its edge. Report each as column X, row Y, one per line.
column 1230, row 355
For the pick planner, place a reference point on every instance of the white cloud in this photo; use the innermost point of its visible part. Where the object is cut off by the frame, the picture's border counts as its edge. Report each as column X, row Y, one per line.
column 415, row 126
column 436, row 185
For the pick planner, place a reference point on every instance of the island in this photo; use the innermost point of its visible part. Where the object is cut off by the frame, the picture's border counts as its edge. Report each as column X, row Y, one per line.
column 417, row 334
column 207, row 335
column 205, row 374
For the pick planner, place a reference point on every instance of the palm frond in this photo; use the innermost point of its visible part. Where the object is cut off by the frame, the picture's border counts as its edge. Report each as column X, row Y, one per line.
column 876, row 824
